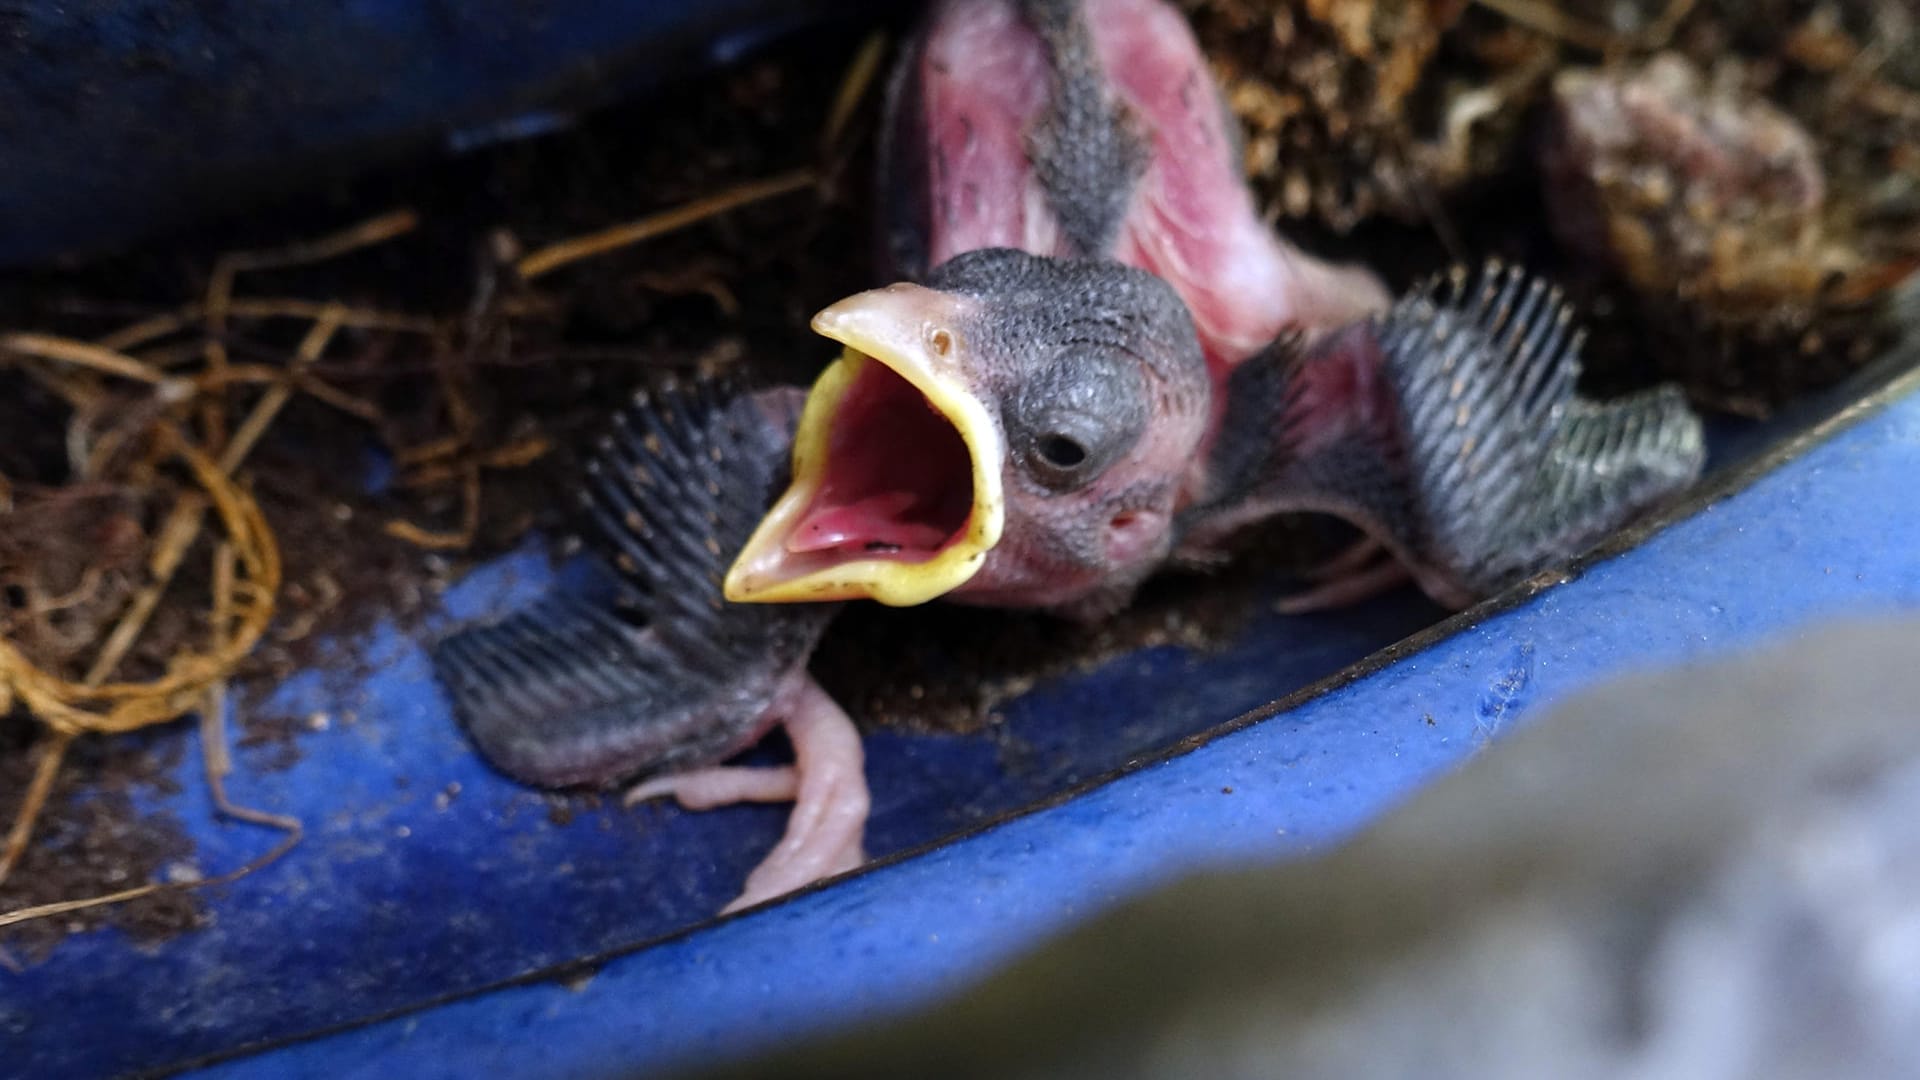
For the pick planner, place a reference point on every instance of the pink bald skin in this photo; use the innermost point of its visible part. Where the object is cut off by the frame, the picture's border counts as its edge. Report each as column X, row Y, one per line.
column 982, row 77
column 970, row 94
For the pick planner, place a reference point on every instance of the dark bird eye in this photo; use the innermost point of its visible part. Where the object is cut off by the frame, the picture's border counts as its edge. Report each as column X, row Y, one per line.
column 1062, row 452
column 1072, row 419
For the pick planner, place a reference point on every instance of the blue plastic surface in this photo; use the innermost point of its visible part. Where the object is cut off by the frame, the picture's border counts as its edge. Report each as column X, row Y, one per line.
column 1817, row 537
column 407, row 892
column 209, row 104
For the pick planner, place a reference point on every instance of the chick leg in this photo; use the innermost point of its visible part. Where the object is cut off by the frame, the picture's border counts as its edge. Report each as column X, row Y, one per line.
column 664, row 676
column 1349, row 587
column 719, row 785
column 829, row 817
column 826, row 783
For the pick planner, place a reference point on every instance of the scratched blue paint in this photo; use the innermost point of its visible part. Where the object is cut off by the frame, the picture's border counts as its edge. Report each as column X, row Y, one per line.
column 1817, row 538
column 403, row 894
column 424, row 874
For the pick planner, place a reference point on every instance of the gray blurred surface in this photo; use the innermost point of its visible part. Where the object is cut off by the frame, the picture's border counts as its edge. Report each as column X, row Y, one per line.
column 1710, row 872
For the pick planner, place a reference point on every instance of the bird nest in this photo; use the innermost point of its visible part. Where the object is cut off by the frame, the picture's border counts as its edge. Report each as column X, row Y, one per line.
column 190, row 502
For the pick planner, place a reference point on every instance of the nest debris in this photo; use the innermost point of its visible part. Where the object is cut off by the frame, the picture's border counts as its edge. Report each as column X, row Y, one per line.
column 153, row 426
column 1362, row 111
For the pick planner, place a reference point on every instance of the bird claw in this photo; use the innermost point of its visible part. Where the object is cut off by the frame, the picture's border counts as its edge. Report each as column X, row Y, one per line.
column 825, row 831
column 721, row 785
column 1350, row 586
column 826, row 786
column 1350, row 559
column 826, row 783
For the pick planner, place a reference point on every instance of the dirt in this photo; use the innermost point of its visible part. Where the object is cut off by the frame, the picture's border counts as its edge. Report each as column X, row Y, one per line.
column 541, row 362
column 949, row 669
column 1441, row 113
column 91, row 840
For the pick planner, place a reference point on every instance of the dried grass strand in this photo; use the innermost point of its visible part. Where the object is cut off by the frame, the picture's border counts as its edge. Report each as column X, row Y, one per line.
column 1542, row 17
column 97, row 706
column 853, row 90
column 93, row 358
column 554, row 256
column 218, row 764
column 53, row 751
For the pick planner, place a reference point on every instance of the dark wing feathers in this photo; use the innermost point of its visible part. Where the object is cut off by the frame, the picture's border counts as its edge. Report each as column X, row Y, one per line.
column 1509, row 468
column 667, row 675
column 1449, row 427
column 1626, row 452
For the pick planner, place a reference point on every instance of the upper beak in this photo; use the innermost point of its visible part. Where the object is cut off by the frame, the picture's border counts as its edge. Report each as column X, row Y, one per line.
column 896, row 493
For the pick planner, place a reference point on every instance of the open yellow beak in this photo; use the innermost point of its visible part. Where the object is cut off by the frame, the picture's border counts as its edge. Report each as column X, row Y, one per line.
column 879, row 430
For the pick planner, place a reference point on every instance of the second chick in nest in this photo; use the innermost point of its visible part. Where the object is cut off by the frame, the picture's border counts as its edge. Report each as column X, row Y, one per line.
column 1711, row 207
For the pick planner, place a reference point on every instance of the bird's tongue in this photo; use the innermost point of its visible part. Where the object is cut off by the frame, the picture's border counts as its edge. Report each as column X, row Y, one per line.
column 878, row 522
column 897, row 482
column 896, row 491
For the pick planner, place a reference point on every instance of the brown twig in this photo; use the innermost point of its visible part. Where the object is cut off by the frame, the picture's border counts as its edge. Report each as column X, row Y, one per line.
column 166, row 324
column 1541, row 16
column 255, row 425
column 53, row 751
column 64, row 907
column 213, row 723
column 144, row 332
column 176, row 535
column 1661, row 31
column 455, row 540
column 443, row 447
column 680, row 282
column 92, row 357
column 88, row 587
column 515, row 455
column 358, row 318
column 219, row 298
column 554, row 256
column 853, row 89
column 302, row 380
column 374, row 230
column 449, row 372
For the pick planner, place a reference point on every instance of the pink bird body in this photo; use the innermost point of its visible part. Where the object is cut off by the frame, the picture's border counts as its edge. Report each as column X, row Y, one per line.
column 1097, row 360
column 983, row 79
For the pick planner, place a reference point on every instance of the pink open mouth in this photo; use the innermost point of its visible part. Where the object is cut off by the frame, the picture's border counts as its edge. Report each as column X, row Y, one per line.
column 898, row 482
column 896, row 493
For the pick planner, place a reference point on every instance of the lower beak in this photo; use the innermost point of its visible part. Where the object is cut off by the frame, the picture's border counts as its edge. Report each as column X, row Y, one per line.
column 896, row 492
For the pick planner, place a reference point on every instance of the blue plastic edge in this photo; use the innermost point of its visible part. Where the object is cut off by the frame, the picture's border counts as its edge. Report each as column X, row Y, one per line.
column 1813, row 537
